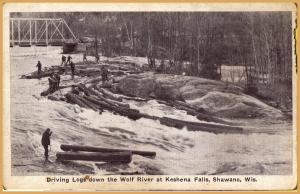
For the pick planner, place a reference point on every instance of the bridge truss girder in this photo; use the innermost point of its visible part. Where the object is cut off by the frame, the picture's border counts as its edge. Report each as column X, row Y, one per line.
column 36, row 30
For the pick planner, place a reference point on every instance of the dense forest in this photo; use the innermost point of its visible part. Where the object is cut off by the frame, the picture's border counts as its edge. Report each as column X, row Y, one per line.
column 193, row 41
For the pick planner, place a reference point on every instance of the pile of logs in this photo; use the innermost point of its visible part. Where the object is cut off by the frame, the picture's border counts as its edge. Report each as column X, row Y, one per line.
column 99, row 99
column 46, row 72
column 83, row 69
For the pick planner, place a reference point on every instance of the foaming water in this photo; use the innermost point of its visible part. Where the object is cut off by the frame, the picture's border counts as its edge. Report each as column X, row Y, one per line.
column 178, row 151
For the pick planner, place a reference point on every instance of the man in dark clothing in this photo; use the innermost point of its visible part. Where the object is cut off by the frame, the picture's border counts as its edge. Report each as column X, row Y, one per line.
column 57, row 78
column 72, row 65
column 39, row 66
column 52, row 83
column 63, row 59
column 97, row 58
column 84, row 57
column 46, row 141
column 69, row 59
column 104, row 74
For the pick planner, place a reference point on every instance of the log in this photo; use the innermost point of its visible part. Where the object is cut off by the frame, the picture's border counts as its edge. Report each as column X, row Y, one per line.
column 83, row 88
column 76, row 148
column 93, row 80
column 109, row 101
column 118, row 96
column 88, row 72
column 195, row 112
column 190, row 111
column 110, row 95
column 114, row 157
column 46, row 72
column 96, row 93
column 100, row 103
column 209, row 118
column 133, row 98
column 194, row 126
column 73, row 98
column 109, row 106
column 88, row 103
column 121, row 104
column 185, row 104
column 130, row 113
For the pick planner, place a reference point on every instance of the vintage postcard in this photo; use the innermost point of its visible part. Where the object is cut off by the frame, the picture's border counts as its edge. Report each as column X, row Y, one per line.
column 149, row 96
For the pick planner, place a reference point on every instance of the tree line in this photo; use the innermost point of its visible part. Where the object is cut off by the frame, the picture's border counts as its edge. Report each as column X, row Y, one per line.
column 193, row 42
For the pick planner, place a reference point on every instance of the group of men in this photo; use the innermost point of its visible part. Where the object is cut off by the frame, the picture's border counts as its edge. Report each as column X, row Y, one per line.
column 54, row 81
column 68, row 62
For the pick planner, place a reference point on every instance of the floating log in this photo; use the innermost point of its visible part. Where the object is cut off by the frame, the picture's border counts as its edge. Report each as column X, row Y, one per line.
column 133, row 98
column 194, row 126
column 182, row 106
column 130, row 113
column 109, row 101
column 110, row 94
column 114, row 157
column 72, row 97
column 195, row 112
column 88, row 72
column 94, row 80
column 88, row 103
column 76, row 148
column 46, row 72
column 35, row 75
column 209, row 118
column 119, row 96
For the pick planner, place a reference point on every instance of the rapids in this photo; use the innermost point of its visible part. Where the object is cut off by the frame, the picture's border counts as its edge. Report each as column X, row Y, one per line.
column 264, row 148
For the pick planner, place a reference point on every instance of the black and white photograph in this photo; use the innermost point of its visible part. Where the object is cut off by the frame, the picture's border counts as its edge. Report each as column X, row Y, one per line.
column 141, row 93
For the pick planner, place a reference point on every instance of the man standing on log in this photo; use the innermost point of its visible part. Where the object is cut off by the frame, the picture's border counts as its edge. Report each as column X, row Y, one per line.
column 69, row 59
column 52, row 83
column 46, row 141
column 84, row 57
column 63, row 60
column 97, row 58
column 104, row 74
column 39, row 66
column 72, row 65
column 57, row 78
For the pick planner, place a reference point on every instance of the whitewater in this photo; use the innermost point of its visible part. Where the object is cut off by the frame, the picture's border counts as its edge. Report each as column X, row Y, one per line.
column 264, row 148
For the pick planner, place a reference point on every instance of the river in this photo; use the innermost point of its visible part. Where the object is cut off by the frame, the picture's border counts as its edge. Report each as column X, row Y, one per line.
column 267, row 149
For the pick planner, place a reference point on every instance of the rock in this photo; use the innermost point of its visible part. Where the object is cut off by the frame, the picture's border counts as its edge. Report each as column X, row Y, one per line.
column 234, row 106
column 167, row 92
column 214, row 97
column 137, row 85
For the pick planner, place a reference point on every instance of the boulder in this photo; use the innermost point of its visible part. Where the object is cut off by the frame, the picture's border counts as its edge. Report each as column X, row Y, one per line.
column 137, row 85
column 234, row 106
column 167, row 92
column 214, row 97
